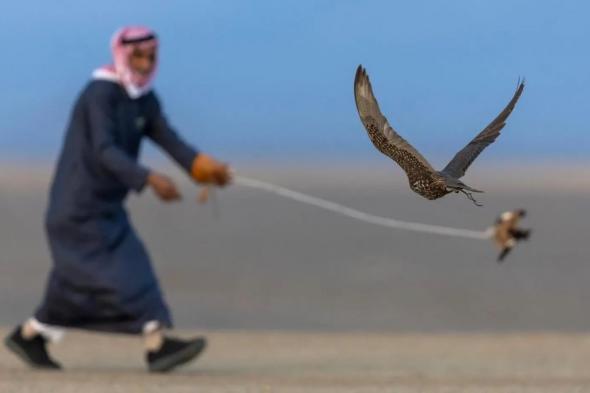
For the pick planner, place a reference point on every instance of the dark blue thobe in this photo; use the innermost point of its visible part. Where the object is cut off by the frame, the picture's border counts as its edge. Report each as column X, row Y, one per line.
column 102, row 278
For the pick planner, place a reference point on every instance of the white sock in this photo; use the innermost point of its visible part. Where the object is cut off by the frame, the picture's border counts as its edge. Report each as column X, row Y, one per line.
column 32, row 327
column 27, row 331
column 153, row 336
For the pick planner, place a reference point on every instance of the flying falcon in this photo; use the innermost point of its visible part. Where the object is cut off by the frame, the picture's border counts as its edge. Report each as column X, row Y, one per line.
column 423, row 178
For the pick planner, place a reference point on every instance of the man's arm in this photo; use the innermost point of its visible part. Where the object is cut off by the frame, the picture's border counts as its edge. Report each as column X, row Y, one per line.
column 201, row 167
column 102, row 125
column 160, row 131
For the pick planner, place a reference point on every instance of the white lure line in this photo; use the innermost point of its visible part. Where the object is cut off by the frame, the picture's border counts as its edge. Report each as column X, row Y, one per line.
column 359, row 215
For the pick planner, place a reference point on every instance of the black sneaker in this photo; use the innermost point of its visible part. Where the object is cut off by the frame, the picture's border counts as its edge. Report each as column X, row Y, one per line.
column 174, row 352
column 33, row 351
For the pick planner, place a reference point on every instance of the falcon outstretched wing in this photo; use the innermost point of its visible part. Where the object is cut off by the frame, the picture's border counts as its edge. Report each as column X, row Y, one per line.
column 383, row 136
column 459, row 164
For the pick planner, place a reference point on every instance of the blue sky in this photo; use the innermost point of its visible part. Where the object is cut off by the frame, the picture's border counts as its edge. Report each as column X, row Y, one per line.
column 273, row 79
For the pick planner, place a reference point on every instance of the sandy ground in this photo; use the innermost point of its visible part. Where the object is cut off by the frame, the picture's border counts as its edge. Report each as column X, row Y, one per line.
column 293, row 298
column 262, row 262
column 320, row 362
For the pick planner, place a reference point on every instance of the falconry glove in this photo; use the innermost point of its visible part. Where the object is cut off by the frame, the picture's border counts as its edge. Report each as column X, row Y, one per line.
column 208, row 171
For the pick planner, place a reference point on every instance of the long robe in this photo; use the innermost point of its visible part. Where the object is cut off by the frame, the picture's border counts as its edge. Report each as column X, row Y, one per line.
column 102, row 277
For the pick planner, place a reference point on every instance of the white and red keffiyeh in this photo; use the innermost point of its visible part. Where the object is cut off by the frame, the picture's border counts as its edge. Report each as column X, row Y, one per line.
column 124, row 41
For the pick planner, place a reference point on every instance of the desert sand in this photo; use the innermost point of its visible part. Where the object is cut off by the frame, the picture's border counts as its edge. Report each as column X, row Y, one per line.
column 293, row 298
column 266, row 361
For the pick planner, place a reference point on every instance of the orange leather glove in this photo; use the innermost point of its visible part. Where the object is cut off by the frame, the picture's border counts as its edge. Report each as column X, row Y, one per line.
column 206, row 170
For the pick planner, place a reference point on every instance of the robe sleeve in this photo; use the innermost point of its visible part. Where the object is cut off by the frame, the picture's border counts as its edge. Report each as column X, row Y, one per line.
column 113, row 158
column 160, row 131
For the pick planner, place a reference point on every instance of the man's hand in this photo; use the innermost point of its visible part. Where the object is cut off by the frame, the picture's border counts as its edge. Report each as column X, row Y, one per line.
column 163, row 186
column 207, row 170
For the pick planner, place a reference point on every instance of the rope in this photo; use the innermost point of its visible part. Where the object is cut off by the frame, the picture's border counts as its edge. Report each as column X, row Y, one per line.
column 359, row 215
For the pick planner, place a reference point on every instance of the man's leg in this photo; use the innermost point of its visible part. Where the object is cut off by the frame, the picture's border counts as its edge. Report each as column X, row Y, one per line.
column 28, row 331
column 153, row 336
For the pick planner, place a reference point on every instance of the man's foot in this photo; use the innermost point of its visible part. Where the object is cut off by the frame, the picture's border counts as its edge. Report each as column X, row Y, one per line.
column 33, row 351
column 174, row 352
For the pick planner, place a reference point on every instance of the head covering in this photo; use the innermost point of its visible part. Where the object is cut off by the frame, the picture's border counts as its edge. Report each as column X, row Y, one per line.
column 124, row 41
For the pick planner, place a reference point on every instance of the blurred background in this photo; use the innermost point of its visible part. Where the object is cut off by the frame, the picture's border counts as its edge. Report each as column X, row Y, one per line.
column 267, row 86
